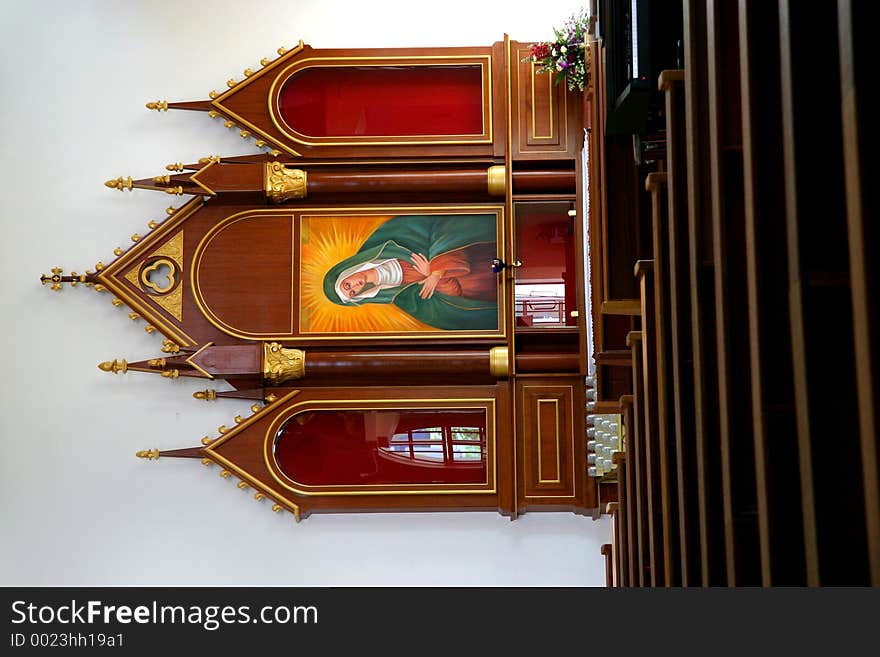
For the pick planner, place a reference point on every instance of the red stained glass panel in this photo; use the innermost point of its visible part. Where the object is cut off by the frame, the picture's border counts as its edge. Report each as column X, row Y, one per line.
column 384, row 101
column 388, row 446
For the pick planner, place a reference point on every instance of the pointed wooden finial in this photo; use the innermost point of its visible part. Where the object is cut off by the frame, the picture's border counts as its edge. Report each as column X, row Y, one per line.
column 159, row 105
column 149, row 454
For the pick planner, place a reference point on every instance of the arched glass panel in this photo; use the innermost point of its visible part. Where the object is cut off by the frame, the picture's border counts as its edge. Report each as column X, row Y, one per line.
column 383, row 446
column 384, row 101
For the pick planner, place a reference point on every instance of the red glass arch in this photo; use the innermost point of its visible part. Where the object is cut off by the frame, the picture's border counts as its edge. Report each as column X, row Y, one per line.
column 383, row 446
column 384, row 101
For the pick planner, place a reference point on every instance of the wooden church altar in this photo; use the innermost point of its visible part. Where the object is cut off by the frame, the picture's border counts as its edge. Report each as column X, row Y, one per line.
column 395, row 279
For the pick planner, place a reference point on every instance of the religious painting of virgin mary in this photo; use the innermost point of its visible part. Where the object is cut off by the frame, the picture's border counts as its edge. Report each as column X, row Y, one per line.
column 403, row 273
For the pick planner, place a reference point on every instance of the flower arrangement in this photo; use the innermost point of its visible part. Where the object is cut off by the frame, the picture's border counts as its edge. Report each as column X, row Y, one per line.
column 565, row 56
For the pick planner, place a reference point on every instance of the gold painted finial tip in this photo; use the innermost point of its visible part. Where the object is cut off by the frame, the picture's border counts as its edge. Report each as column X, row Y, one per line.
column 112, row 184
column 116, row 366
column 149, row 454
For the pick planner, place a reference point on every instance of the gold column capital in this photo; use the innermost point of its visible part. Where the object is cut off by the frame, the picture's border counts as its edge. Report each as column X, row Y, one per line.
column 283, row 184
column 281, row 364
column 499, row 365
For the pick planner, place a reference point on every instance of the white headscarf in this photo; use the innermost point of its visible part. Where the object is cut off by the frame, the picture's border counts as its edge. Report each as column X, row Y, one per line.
column 390, row 275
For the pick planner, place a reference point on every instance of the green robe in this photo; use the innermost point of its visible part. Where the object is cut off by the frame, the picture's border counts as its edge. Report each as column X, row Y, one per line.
column 430, row 235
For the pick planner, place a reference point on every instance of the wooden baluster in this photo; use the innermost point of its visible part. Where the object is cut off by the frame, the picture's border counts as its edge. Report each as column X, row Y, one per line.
column 657, row 546
column 702, row 284
column 821, row 302
column 736, row 445
column 680, row 337
column 778, row 486
column 859, row 145
column 642, row 572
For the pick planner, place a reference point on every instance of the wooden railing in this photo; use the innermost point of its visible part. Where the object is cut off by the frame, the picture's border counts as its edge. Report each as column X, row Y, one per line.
column 751, row 451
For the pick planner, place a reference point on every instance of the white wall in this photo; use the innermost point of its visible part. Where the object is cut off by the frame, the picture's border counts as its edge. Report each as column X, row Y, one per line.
column 77, row 507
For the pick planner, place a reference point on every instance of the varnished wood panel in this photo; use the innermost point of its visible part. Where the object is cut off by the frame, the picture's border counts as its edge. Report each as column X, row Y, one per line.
column 546, row 117
column 243, row 274
column 548, row 439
